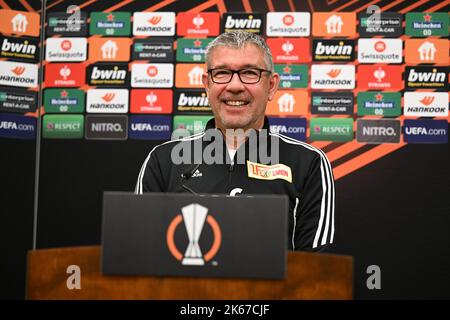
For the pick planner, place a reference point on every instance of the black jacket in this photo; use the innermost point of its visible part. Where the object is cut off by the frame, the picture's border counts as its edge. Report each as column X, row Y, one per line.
column 311, row 192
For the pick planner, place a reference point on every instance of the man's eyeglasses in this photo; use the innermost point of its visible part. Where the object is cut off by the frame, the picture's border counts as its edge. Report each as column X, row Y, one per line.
column 247, row 75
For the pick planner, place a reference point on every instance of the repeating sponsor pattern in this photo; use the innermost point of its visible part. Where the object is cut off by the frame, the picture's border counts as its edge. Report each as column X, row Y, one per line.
column 367, row 74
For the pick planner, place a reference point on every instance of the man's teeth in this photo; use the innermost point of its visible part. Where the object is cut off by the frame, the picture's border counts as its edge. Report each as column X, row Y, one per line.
column 235, row 103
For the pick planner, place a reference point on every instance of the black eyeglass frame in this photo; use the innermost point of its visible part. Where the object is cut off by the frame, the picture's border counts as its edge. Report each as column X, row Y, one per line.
column 210, row 71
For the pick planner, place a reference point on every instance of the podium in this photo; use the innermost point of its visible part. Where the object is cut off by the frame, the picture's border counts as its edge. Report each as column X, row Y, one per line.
column 309, row 276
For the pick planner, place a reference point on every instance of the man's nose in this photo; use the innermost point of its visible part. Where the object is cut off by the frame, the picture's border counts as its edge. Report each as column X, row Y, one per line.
column 235, row 84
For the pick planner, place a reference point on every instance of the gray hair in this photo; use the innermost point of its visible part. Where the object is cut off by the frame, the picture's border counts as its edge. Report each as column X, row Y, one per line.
column 239, row 39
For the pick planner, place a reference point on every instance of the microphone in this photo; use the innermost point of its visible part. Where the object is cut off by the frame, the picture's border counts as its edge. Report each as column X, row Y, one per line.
column 190, row 172
column 187, row 175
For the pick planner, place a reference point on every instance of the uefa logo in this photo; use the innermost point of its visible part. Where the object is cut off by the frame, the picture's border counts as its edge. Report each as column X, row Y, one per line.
column 194, row 217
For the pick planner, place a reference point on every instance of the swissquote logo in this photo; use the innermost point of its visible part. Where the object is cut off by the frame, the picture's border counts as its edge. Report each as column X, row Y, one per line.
column 194, row 217
column 154, row 23
column 19, row 49
column 380, row 50
column 288, row 24
column 253, row 22
column 332, row 76
column 426, row 104
column 424, row 77
column 107, row 101
column 19, row 22
column 17, row 74
column 151, row 75
column 66, row 49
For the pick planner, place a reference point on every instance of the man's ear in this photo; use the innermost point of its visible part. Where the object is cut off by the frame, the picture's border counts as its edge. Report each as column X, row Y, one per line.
column 273, row 85
column 205, row 81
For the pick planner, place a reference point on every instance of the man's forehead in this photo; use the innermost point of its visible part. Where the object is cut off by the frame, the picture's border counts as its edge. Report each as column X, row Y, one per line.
column 249, row 55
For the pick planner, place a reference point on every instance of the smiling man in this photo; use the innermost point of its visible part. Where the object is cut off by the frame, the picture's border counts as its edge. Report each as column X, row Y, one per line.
column 240, row 80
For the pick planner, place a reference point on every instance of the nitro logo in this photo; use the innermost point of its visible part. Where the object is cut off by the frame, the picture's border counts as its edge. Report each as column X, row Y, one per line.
column 378, row 131
column 106, row 127
column 108, row 75
column 248, row 22
column 19, row 49
column 154, row 23
column 426, row 78
column 333, row 76
column 18, row 74
column 426, row 104
column 334, row 50
column 192, row 101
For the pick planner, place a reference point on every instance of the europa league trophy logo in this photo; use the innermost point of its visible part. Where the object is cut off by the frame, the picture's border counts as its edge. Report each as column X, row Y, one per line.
column 194, row 217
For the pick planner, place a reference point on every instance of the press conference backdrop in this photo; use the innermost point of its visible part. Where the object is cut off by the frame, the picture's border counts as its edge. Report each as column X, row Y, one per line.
column 374, row 99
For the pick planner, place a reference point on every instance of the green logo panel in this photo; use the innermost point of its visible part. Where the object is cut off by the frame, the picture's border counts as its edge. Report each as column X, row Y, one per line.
column 193, row 124
column 192, row 50
column 64, row 101
column 379, row 104
column 424, row 24
column 110, row 23
column 292, row 76
column 56, row 126
column 331, row 129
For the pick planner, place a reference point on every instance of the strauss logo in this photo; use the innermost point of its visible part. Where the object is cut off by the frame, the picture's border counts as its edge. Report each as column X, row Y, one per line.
column 65, row 72
column 333, row 73
column 154, row 20
column 287, row 47
column 427, row 100
column 198, row 21
column 151, row 98
column 108, row 97
column 18, row 70
column 379, row 74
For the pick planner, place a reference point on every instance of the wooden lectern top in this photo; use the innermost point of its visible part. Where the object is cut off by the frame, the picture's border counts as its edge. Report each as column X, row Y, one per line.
column 309, row 276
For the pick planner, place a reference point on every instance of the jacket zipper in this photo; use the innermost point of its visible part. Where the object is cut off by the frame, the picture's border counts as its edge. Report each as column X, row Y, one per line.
column 230, row 172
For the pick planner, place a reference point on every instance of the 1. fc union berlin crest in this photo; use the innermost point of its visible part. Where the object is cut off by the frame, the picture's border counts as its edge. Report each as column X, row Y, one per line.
column 194, row 217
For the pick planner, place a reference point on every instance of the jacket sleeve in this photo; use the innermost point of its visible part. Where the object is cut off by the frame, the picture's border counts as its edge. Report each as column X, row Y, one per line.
column 314, row 223
column 150, row 177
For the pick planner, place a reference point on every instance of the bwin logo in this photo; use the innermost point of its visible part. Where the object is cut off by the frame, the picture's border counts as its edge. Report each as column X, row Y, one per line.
column 433, row 76
column 22, row 47
column 340, row 49
column 193, row 101
column 194, row 217
column 249, row 23
column 114, row 74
